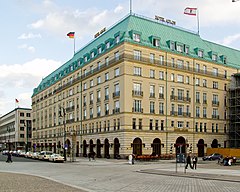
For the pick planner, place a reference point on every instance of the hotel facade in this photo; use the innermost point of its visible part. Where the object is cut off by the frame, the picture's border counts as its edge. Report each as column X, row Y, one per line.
column 141, row 87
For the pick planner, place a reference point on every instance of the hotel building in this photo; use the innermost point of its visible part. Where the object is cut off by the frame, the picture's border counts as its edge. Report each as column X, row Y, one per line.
column 142, row 86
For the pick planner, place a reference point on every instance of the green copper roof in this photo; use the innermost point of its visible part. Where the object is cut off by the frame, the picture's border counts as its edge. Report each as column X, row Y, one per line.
column 146, row 28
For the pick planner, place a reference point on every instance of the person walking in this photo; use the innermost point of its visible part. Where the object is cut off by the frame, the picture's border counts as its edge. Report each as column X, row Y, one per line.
column 9, row 158
column 188, row 162
column 194, row 159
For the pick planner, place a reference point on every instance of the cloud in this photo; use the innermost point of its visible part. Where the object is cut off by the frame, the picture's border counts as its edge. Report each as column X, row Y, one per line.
column 230, row 39
column 29, row 36
column 28, row 48
column 18, row 81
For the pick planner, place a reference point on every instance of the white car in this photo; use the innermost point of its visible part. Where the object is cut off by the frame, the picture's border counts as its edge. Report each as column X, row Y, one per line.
column 56, row 158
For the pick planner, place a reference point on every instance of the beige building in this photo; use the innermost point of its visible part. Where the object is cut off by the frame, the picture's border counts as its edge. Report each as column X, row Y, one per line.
column 15, row 130
column 141, row 87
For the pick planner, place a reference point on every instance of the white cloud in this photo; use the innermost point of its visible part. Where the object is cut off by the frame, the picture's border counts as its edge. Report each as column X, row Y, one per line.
column 18, row 81
column 29, row 36
column 230, row 39
column 27, row 47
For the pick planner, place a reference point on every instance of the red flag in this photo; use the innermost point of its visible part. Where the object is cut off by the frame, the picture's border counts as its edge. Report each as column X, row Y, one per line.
column 16, row 101
column 190, row 11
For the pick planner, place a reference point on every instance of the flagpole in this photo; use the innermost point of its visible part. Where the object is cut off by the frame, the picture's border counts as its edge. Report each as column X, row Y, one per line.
column 130, row 7
column 198, row 20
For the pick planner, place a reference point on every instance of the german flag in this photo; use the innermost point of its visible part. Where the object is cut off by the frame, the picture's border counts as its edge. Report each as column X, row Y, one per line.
column 71, row 34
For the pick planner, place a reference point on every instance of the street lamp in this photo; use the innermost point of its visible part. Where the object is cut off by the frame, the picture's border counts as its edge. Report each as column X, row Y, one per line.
column 62, row 113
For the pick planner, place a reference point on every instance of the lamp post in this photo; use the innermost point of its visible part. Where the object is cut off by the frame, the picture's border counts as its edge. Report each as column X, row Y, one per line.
column 62, row 113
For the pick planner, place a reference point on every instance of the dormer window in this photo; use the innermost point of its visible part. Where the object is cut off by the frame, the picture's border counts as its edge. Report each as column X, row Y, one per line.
column 180, row 48
column 156, row 42
column 92, row 55
column 200, row 53
column 108, row 45
column 214, row 57
column 136, row 37
column 117, row 39
column 172, row 46
column 186, row 49
column 99, row 50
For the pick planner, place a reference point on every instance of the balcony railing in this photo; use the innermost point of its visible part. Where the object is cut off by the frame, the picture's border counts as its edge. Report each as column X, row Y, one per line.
column 137, row 93
column 137, row 110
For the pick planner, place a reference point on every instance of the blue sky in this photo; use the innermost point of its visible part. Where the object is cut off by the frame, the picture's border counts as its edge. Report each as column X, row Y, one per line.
column 33, row 39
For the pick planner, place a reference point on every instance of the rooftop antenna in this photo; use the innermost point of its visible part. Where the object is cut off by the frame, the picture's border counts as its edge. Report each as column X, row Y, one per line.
column 130, row 7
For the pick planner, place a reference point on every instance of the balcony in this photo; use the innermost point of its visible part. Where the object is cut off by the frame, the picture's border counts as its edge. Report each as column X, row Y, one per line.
column 161, row 96
column 116, row 94
column 152, row 95
column 216, row 103
column 215, row 116
column 137, row 110
column 137, row 93
column 116, row 110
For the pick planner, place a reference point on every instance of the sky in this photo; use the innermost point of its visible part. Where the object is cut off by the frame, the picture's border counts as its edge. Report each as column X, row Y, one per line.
column 33, row 40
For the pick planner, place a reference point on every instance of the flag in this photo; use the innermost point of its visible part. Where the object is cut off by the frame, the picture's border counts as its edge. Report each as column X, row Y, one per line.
column 71, row 34
column 190, row 11
column 16, row 100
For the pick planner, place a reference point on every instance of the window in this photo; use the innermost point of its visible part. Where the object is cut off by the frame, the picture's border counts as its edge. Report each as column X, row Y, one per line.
column 152, row 107
column 117, row 39
column 98, row 80
column 134, row 123
column 91, row 83
column 215, row 85
column 137, row 105
column 152, row 73
column 197, row 111
column 152, row 58
column 215, row 72
column 116, row 56
column 180, row 109
column 161, row 60
column 204, row 82
column 156, row 42
column 172, row 77
column 180, row 78
column 108, row 45
column 161, row 75
column 200, row 53
column 204, row 112
column 137, row 71
column 116, row 72
column 152, row 91
column 136, row 37
column 161, row 108
column 137, row 55
column 197, row 82
column 106, row 76
column 151, row 124
column 180, row 124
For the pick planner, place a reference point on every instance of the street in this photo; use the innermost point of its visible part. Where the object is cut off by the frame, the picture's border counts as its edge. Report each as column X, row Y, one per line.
column 118, row 175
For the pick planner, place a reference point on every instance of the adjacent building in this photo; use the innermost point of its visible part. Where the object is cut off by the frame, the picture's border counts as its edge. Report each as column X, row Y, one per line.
column 15, row 130
column 143, row 86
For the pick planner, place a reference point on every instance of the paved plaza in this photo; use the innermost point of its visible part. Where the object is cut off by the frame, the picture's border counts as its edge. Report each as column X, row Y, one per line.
column 105, row 175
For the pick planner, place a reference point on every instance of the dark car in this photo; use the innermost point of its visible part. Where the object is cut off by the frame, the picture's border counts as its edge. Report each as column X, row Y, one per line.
column 214, row 156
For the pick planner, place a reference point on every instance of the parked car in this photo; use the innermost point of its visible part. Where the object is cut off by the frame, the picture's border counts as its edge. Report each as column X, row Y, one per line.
column 214, row 156
column 44, row 155
column 56, row 158
column 35, row 155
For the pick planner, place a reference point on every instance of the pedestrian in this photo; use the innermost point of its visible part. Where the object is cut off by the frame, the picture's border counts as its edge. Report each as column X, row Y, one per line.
column 195, row 159
column 188, row 162
column 9, row 158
